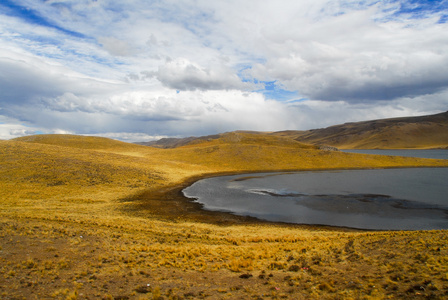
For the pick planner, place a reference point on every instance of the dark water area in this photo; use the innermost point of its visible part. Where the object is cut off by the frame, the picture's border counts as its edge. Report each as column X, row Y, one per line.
column 427, row 153
column 384, row 199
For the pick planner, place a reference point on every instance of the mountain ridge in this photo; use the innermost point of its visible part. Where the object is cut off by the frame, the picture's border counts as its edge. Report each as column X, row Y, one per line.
column 69, row 199
column 421, row 132
column 416, row 132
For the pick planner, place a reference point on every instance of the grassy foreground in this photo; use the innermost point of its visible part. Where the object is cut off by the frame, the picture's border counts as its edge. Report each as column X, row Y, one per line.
column 93, row 218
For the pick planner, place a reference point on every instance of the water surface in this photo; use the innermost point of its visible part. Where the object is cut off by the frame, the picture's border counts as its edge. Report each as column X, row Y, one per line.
column 385, row 199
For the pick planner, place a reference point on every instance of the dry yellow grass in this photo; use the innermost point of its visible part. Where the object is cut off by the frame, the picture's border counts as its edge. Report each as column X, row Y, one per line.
column 85, row 217
column 424, row 132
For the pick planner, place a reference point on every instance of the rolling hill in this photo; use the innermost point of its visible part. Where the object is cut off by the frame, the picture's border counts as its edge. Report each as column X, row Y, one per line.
column 93, row 216
column 398, row 133
column 425, row 132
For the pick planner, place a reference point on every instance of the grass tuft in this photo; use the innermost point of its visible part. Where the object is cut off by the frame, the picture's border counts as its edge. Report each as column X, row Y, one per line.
column 91, row 217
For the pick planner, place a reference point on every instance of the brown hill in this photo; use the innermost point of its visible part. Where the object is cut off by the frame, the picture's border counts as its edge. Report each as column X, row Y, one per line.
column 167, row 143
column 93, row 216
column 424, row 132
column 397, row 133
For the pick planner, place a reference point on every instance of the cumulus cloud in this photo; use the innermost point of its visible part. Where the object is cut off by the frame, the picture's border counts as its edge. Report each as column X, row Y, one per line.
column 10, row 131
column 359, row 59
column 142, row 69
column 181, row 74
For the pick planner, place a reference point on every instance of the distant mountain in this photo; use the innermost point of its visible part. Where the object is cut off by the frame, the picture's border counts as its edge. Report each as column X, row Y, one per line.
column 166, row 143
column 397, row 133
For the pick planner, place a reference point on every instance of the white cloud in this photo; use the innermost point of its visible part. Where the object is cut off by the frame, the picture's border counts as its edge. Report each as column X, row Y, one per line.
column 354, row 58
column 130, row 137
column 190, row 68
column 10, row 131
column 115, row 46
column 181, row 74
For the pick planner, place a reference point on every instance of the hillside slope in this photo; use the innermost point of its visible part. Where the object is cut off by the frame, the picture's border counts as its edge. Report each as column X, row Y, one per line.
column 60, row 166
column 397, row 133
column 92, row 216
column 425, row 132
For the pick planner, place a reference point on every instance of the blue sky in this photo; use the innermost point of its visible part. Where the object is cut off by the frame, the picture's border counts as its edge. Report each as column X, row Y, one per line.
column 140, row 70
column 423, row 9
column 29, row 15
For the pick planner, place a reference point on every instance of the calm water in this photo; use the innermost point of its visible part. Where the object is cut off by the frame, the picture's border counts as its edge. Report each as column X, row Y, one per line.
column 395, row 199
column 430, row 153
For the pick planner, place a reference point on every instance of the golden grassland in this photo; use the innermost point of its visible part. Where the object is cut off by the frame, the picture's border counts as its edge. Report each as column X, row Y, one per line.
column 93, row 218
column 424, row 132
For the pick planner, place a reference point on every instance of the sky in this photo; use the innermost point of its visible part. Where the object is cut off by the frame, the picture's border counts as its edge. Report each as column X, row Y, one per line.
column 140, row 70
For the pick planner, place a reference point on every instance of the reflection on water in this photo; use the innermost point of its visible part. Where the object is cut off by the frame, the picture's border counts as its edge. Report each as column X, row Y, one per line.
column 407, row 199
column 380, row 205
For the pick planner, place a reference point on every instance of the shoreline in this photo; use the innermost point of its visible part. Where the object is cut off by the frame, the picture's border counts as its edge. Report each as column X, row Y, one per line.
column 170, row 204
column 120, row 227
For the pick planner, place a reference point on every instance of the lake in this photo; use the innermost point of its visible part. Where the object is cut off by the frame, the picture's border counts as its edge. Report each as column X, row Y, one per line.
column 380, row 199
